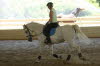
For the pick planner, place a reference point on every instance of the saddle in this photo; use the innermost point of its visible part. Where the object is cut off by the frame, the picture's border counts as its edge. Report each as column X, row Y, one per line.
column 50, row 31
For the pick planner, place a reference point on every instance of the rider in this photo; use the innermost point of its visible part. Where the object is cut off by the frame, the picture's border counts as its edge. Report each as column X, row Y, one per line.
column 52, row 23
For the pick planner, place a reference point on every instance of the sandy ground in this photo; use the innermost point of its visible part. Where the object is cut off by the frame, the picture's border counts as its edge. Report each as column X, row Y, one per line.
column 24, row 53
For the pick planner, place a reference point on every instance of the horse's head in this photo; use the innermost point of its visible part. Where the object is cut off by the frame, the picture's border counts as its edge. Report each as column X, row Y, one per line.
column 35, row 27
column 32, row 29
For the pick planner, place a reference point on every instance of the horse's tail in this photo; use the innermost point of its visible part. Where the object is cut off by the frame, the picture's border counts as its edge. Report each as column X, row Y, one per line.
column 80, row 35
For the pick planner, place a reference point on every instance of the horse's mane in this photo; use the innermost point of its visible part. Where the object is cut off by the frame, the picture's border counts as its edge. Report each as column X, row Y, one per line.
column 39, row 23
column 34, row 25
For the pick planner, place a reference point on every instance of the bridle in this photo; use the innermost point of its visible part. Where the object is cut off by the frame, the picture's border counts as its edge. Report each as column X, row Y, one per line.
column 30, row 31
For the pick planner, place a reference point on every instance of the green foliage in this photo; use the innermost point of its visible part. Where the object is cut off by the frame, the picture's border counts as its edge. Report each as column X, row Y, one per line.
column 98, row 1
column 95, row 2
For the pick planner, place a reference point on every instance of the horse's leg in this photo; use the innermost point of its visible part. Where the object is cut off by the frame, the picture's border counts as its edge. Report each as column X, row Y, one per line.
column 76, row 47
column 69, row 53
column 72, row 47
column 68, row 38
column 39, row 58
column 79, row 52
column 81, row 56
column 51, row 47
column 52, row 53
column 77, row 29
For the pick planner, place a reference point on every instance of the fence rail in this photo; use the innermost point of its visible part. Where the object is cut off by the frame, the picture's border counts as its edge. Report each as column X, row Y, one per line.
column 80, row 20
column 18, row 34
column 59, row 19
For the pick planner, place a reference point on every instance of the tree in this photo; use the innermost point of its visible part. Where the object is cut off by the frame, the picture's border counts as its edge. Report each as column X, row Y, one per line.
column 98, row 1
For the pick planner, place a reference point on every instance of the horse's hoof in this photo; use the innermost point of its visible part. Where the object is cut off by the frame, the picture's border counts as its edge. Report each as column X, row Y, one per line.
column 39, row 57
column 60, row 57
column 55, row 55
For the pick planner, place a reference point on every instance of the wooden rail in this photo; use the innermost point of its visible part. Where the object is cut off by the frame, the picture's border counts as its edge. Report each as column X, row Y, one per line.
column 63, row 23
column 59, row 19
column 18, row 34
column 93, row 20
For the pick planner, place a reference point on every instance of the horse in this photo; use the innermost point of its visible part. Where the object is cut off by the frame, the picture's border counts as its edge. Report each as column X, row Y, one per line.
column 65, row 34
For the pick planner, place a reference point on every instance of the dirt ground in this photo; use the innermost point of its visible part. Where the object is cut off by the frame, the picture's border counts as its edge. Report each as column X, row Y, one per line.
column 24, row 53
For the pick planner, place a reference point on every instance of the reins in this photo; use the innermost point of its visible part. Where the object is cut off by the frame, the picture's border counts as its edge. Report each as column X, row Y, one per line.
column 30, row 31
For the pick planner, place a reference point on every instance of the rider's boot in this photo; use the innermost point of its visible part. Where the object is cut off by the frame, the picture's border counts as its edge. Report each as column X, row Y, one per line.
column 48, row 40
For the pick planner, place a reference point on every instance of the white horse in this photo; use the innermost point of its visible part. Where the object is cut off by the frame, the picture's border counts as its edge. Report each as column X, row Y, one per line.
column 67, row 33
